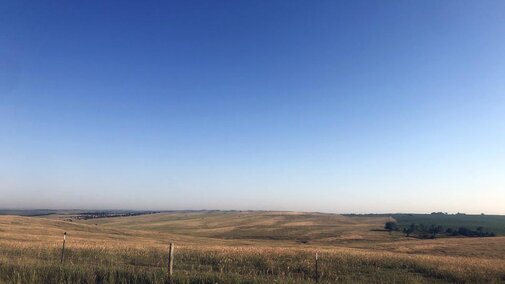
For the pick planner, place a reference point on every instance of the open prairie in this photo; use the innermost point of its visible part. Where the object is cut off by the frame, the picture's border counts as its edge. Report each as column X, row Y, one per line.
column 243, row 247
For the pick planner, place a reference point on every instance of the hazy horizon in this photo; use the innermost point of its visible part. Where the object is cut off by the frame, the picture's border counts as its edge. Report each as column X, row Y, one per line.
column 233, row 210
column 330, row 106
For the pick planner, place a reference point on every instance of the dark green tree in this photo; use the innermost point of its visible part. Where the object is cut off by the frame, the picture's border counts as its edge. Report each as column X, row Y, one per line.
column 480, row 230
column 391, row 226
column 410, row 229
column 434, row 230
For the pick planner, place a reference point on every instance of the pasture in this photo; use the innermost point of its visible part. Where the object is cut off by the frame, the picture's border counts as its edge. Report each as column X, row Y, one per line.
column 237, row 247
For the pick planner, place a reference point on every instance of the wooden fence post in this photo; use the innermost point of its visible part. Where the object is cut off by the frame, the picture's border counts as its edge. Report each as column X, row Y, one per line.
column 317, row 269
column 170, row 260
column 63, row 248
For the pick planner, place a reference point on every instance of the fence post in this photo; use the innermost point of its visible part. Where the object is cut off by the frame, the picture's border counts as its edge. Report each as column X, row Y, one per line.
column 170, row 260
column 63, row 248
column 317, row 269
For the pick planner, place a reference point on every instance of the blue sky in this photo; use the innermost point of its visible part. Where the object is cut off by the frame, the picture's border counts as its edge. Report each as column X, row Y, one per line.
column 335, row 106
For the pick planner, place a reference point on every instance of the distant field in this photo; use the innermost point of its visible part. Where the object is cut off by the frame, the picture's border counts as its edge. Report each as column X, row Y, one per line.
column 280, row 226
column 494, row 223
column 238, row 247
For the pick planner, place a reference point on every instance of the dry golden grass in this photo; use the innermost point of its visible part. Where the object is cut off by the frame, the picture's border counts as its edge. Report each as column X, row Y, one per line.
column 235, row 247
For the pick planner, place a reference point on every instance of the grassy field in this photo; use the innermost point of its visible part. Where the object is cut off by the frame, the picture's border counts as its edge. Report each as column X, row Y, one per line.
column 238, row 247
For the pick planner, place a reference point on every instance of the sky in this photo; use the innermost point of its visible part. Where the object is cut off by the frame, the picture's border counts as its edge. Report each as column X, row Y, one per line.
column 329, row 106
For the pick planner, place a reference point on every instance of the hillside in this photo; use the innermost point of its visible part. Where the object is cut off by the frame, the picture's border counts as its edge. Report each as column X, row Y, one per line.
column 235, row 247
column 286, row 226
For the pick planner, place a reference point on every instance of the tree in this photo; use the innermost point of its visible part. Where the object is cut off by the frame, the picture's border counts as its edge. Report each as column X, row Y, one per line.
column 435, row 229
column 410, row 229
column 480, row 229
column 391, row 226
column 463, row 231
column 449, row 231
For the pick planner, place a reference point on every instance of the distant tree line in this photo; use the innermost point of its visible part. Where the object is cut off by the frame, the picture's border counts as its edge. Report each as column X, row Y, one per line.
column 110, row 214
column 445, row 213
column 432, row 231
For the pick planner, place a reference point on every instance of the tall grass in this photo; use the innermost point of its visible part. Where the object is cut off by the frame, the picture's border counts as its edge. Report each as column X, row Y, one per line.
column 30, row 251
column 222, row 264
